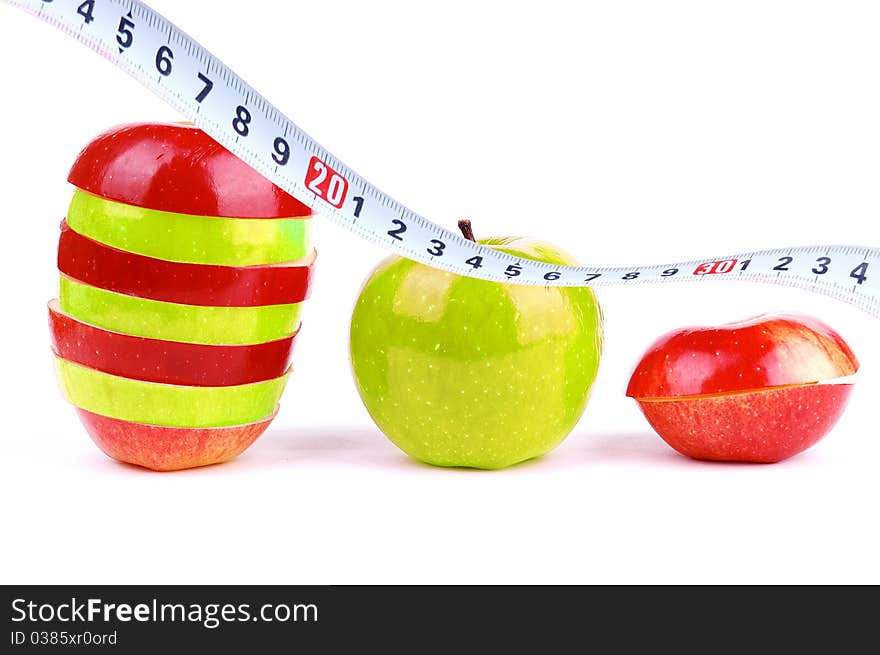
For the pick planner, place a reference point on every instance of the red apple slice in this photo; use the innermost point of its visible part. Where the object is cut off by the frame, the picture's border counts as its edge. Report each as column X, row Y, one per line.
column 178, row 168
column 747, row 391
column 105, row 267
column 166, row 362
column 163, row 448
column 759, row 426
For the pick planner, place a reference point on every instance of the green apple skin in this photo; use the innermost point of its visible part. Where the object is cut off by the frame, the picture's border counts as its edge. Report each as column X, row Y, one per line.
column 463, row 372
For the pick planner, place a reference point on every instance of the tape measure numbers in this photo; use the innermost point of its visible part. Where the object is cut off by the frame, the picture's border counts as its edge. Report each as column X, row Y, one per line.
column 189, row 78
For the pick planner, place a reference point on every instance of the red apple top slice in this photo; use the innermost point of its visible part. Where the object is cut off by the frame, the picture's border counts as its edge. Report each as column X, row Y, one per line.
column 178, row 168
column 759, row 353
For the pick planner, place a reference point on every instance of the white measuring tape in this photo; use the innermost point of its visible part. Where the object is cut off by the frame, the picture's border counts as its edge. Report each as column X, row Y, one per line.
column 189, row 78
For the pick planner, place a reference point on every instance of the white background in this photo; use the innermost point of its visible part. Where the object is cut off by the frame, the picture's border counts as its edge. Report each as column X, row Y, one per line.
column 628, row 132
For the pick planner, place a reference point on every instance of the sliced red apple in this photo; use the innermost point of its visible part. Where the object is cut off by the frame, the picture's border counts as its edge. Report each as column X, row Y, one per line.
column 170, row 192
column 179, row 168
column 105, row 267
column 760, row 426
column 166, row 362
column 759, row 390
column 162, row 448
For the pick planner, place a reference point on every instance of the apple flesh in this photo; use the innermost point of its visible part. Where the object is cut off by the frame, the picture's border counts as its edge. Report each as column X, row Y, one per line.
column 167, row 404
column 187, row 238
column 162, row 448
column 463, row 372
column 175, row 322
column 748, row 391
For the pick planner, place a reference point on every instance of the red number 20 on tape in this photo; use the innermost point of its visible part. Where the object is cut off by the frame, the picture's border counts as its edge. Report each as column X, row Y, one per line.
column 326, row 183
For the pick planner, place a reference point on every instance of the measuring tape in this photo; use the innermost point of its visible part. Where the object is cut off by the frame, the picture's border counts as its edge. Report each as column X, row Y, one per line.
column 189, row 78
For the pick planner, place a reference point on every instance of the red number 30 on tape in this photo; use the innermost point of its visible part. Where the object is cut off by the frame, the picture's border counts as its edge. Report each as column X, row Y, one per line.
column 716, row 268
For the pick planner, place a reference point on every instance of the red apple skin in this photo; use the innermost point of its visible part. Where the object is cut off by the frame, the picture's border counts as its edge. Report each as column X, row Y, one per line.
column 760, row 426
column 177, row 168
column 105, row 267
column 166, row 362
column 745, row 391
column 162, row 448
column 765, row 351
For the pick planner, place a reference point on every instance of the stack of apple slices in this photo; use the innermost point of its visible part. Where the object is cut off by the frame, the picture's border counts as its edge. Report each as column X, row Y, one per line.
column 183, row 273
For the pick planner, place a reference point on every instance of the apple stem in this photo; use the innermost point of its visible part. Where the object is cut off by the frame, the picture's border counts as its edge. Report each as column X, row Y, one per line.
column 466, row 230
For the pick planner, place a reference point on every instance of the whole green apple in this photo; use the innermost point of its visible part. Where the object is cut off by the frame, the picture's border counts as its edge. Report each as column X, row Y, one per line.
column 463, row 372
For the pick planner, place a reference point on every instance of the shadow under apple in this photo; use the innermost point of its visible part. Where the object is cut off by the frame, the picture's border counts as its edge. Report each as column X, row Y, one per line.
column 365, row 446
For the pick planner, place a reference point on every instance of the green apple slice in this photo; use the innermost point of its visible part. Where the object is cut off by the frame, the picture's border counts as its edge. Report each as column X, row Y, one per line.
column 166, row 404
column 187, row 238
column 174, row 322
